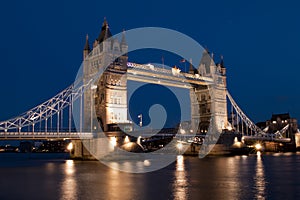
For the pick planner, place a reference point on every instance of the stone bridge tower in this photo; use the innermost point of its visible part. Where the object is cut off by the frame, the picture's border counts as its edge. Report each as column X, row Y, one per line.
column 208, row 102
column 109, row 95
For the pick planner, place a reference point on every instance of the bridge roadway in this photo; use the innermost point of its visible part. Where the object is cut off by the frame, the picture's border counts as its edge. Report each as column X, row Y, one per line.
column 88, row 135
column 44, row 135
column 71, row 135
column 252, row 139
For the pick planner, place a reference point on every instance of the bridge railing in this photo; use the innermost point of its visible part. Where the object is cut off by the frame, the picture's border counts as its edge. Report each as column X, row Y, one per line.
column 45, row 135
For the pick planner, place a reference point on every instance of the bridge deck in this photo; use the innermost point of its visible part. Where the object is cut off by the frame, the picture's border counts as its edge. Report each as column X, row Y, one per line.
column 43, row 135
column 266, row 139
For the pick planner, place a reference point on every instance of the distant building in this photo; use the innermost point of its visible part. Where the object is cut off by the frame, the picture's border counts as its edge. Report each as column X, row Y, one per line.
column 278, row 122
column 25, row 146
column 53, row 146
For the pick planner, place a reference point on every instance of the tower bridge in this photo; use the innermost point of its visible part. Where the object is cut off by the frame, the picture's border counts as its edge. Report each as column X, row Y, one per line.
column 54, row 118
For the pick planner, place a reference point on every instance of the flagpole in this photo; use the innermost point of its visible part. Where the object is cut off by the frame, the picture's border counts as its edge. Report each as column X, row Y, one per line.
column 140, row 116
column 181, row 61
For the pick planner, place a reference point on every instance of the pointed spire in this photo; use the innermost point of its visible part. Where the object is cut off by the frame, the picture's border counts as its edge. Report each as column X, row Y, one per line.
column 191, row 68
column 222, row 61
column 87, row 45
column 105, row 32
column 104, row 22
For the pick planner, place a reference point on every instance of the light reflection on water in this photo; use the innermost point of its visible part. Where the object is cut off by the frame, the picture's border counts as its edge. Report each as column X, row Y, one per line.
column 113, row 180
column 118, row 184
column 259, row 179
column 69, row 183
column 232, row 176
column 180, row 184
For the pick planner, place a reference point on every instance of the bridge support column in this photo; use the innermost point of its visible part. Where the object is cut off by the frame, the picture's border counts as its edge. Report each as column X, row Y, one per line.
column 208, row 102
column 91, row 149
column 297, row 140
column 80, row 150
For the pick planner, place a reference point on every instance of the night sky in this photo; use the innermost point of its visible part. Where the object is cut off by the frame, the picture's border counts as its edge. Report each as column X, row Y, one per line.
column 42, row 42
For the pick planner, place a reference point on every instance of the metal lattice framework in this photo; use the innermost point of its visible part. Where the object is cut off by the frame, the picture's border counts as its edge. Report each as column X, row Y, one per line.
column 45, row 111
column 256, row 132
column 243, row 116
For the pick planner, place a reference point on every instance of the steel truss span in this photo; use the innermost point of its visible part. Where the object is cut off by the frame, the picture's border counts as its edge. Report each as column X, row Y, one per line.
column 46, row 114
column 250, row 130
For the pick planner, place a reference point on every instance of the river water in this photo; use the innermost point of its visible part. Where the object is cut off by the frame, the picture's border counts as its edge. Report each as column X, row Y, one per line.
column 54, row 176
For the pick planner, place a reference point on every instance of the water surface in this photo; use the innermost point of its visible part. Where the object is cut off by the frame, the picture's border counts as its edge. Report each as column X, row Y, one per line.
column 53, row 176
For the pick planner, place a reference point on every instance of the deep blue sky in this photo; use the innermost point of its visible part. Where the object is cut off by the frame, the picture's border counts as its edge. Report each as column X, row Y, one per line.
column 42, row 41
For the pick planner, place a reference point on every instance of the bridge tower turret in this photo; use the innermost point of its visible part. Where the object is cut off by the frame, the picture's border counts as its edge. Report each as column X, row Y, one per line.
column 209, row 101
column 86, row 49
column 110, row 93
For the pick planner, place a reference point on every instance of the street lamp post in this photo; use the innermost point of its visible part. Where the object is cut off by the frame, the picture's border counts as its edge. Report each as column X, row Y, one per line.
column 93, row 87
column 140, row 116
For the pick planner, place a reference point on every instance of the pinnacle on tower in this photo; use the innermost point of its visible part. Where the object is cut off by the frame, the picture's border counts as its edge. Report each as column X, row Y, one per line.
column 222, row 61
column 192, row 70
column 105, row 32
column 86, row 49
column 87, row 45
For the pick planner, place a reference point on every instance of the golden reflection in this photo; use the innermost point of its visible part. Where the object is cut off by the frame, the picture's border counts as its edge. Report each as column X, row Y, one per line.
column 50, row 168
column 128, row 166
column 69, row 167
column 69, row 184
column 180, row 185
column 231, row 184
column 115, row 181
column 259, row 179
